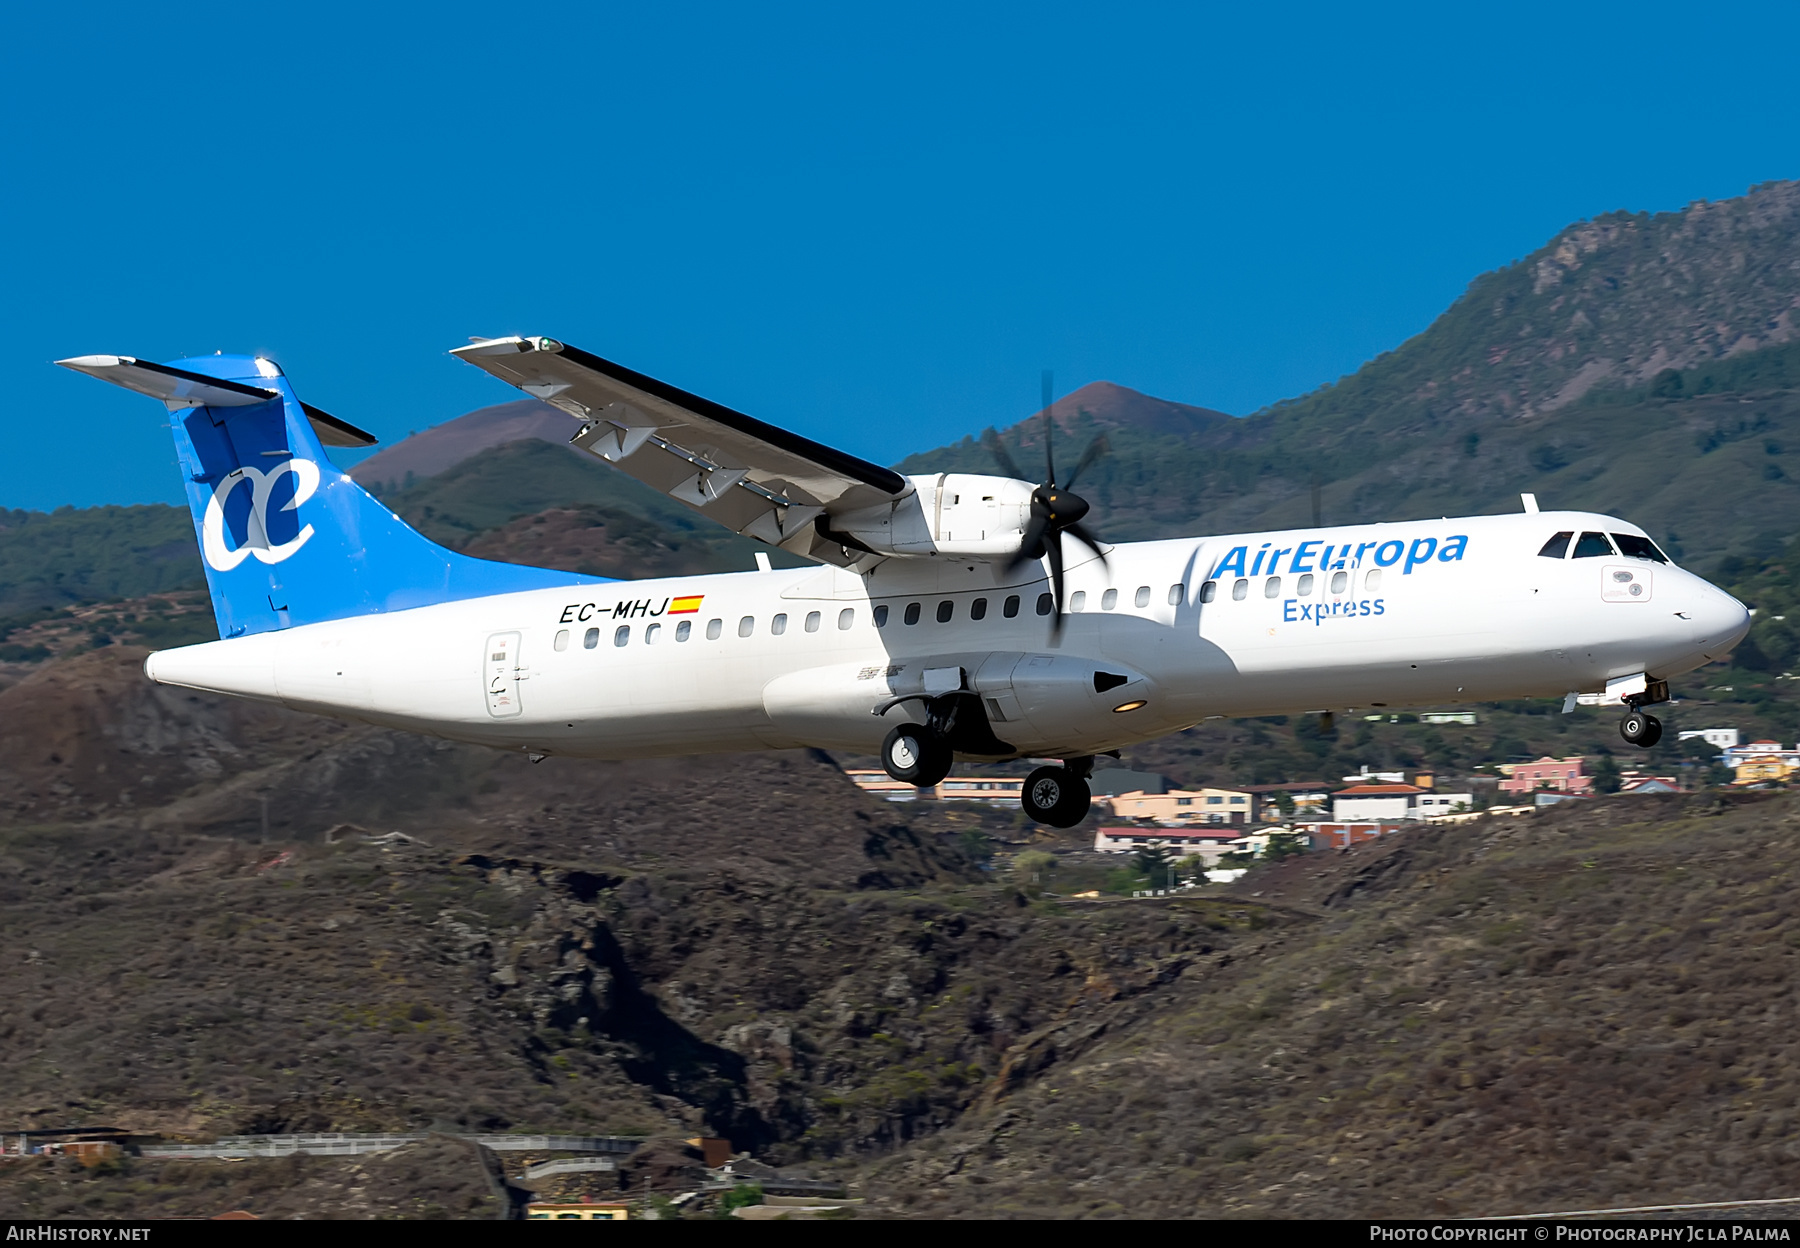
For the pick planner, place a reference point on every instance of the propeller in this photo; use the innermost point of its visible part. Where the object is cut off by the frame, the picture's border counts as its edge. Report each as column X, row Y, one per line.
column 1055, row 509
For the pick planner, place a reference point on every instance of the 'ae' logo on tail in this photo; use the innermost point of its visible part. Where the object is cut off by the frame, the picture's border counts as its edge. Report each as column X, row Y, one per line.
column 221, row 557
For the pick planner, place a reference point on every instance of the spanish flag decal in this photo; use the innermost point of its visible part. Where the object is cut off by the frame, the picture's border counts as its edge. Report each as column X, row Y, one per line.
column 685, row 606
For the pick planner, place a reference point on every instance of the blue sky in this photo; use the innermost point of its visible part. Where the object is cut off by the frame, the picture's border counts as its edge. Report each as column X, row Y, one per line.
column 871, row 224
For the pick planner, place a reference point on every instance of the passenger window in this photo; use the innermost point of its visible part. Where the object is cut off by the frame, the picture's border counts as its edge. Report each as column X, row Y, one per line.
column 945, row 610
column 912, row 613
column 1303, row 586
column 1240, row 590
column 1078, row 600
column 1010, row 607
column 978, row 609
column 621, row 634
column 881, row 614
column 1372, row 581
column 1592, row 546
column 1557, row 546
column 1109, row 600
column 684, row 630
column 1272, row 587
column 812, row 621
column 846, row 618
column 714, row 628
column 1634, row 547
column 1045, row 604
column 590, row 639
column 746, row 626
column 778, row 625
column 1340, row 581
column 562, row 640
column 651, row 634
column 1209, row 591
column 1176, row 594
column 1142, row 597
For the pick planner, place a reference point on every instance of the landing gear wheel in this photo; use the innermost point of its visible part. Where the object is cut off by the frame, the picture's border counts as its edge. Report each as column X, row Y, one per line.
column 1640, row 729
column 1054, row 796
column 913, row 754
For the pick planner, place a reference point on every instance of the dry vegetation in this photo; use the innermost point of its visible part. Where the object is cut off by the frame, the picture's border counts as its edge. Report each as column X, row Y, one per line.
column 437, row 1178
column 1590, row 1006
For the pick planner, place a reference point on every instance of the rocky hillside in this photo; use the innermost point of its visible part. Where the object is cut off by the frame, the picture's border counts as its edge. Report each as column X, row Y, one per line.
column 216, row 933
column 1611, row 301
column 1590, row 1007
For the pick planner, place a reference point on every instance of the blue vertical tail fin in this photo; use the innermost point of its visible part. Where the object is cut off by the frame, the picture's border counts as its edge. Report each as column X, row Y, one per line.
column 286, row 537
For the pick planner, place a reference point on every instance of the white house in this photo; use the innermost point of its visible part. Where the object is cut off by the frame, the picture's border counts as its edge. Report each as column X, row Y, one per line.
column 1737, row 755
column 1724, row 738
column 1209, row 844
column 1379, row 803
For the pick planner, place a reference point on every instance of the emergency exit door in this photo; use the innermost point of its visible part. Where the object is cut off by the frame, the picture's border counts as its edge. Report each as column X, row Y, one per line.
column 502, row 670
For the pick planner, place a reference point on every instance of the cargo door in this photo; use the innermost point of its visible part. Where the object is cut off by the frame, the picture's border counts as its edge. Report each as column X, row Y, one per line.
column 501, row 666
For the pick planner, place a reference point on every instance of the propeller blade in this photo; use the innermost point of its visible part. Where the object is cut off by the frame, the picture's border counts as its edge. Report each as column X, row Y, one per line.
column 1053, row 551
column 1049, row 428
column 1086, row 536
column 1031, row 546
column 1095, row 449
column 1001, row 455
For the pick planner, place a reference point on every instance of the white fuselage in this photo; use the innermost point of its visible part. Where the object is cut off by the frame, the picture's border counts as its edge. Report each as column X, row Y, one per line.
column 1400, row 615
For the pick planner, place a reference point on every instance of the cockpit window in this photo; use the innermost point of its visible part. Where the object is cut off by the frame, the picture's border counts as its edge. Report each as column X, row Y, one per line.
column 1592, row 545
column 1557, row 546
column 1634, row 547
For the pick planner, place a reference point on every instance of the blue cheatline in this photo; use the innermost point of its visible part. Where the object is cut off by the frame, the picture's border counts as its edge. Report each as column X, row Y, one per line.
column 289, row 539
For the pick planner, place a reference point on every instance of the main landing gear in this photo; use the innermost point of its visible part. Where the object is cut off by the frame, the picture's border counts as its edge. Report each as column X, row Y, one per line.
column 922, row 754
column 914, row 754
column 1059, row 796
column 1640, row 728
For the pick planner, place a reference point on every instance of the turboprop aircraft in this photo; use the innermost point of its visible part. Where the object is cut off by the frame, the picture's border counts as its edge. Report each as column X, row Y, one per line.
column 943, row 615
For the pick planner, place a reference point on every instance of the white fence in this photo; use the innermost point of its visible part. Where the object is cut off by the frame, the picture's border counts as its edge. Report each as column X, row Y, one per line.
column 568, row 1165
column 347, row 1145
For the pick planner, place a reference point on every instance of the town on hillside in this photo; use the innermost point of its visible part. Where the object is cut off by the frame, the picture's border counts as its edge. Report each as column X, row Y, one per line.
column 1189, row 837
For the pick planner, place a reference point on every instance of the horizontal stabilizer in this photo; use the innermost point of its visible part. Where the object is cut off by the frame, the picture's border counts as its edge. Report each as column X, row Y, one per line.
column 335, row 432
column 179, row 388
column 175, row 386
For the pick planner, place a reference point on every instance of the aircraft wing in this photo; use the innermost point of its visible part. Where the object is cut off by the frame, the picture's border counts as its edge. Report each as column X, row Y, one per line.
column 751, row 477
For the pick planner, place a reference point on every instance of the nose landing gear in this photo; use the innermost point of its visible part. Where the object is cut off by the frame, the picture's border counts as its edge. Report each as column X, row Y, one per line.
column 1640, row 728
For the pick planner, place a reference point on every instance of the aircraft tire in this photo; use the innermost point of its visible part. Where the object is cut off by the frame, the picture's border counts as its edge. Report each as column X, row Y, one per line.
column 1640, row 729
column 913, row 754
column 1054, row 796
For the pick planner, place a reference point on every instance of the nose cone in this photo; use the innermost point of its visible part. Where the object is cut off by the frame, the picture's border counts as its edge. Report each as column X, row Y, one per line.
column 1721, row 622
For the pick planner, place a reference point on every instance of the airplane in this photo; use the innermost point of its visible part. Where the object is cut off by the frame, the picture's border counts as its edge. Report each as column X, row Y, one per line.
column 941, row 615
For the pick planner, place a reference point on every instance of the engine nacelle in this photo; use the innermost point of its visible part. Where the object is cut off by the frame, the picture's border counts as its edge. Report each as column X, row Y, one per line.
column 955, row 514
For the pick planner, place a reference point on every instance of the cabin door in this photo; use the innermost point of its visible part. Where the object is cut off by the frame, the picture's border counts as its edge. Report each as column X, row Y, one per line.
column 502, row 669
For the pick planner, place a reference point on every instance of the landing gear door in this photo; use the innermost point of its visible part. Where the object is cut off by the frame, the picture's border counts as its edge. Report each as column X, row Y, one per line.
column 500, row 666
column 993, row 681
